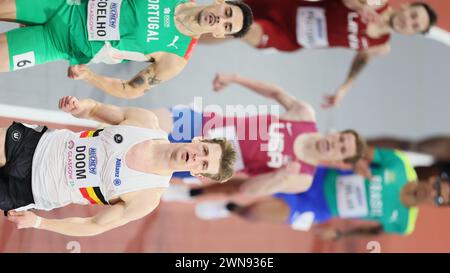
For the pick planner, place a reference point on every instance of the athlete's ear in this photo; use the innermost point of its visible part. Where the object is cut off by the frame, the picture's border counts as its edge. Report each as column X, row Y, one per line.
column 218, row 35
column 198, row 175
column 197, row 139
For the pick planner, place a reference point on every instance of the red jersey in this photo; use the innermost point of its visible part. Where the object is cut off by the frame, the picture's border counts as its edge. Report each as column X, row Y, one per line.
column 264, row 142
column 289, row 25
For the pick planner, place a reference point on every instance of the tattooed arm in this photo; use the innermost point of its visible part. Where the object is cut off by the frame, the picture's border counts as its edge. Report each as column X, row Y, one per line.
column 164, row 66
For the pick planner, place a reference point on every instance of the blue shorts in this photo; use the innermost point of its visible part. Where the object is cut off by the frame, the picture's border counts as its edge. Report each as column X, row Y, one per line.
column 311, row 201
column 187, row 124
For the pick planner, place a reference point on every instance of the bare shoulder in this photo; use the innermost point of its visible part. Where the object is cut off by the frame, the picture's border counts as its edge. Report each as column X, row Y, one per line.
column 301, row 111
column 144, row 200
column 141, row 118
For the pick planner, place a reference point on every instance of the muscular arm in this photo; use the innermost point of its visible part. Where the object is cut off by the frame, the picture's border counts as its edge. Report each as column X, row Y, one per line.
column 164, row 67
column 136, row 206
column 110, row 114
column 361, row 60
column 359, row 63
column 294, row 107
column 276, row 182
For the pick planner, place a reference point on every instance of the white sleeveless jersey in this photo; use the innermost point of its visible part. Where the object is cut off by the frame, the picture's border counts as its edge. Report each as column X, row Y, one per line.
column 89, row 167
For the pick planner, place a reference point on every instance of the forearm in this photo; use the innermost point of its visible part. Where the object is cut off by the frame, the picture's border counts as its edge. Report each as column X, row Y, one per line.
column 115, row 87
column 263, row 185
column 359, row 63
column 259, row 87
column 104, row 113
column 267, row 90
column 74, row 226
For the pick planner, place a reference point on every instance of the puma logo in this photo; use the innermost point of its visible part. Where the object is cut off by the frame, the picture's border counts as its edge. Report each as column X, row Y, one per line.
column 175, row 39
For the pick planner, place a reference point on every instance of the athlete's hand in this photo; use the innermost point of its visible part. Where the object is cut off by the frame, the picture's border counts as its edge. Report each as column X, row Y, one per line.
column 70, row 105
column 330, row 101
column 221, row 81
column 79, row 72
column 22, row 219
column 327, row 234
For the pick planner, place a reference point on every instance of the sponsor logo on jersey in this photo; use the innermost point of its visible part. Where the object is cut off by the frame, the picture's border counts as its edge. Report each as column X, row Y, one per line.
column 167, row 17
column 93, row 161
column 70, row 144
column 118, row 138
column 16, row 135
column 117, row 180
column 113, row 15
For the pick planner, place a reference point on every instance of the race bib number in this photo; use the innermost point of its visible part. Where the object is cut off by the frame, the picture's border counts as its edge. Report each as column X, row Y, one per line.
column 103, row 20
column 230, row 134
column 24, row 60
column 82, row 165
column 351, row 196
column 312, row 27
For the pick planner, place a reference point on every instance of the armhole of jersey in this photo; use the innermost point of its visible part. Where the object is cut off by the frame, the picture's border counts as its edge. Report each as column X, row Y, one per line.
column 383, row 8
column 191, row 46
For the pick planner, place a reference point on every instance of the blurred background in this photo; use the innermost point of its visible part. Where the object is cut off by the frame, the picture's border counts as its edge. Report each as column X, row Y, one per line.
column 405, row 94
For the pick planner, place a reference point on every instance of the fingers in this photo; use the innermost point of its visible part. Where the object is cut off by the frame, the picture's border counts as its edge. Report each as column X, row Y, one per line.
column 329, row 101
column 63, row 102
column 71, row 72
column 76, row 71
column 217, row 83
column 16, row 213
column 68, row 103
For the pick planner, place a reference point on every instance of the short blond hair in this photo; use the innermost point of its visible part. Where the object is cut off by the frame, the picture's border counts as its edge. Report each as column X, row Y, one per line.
column 227, row 160
column 360, row 147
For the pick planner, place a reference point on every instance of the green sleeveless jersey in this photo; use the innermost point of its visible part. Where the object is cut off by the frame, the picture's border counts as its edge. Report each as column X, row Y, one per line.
column 378, row 199
column 112, row 31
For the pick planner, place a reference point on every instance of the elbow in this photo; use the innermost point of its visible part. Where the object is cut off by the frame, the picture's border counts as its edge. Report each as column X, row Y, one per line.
column 134, row 92
column 127, row 91
column 96, row 229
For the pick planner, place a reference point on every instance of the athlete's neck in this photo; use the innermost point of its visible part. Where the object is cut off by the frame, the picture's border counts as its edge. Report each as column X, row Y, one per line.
column 150, row 157
column 305, row 148
column 186, row 18
column 162, row 156
column 384, row 27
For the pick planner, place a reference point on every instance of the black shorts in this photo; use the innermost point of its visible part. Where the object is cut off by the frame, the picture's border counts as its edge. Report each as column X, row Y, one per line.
column 15, row 176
